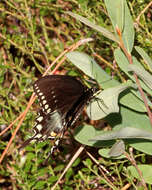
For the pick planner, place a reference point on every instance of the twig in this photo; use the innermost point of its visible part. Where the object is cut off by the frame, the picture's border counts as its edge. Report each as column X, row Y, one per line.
column 69, row 165
column 102, row 168
column 143, row 11
column 18, row 126
column 129, row 57
column 132, row 160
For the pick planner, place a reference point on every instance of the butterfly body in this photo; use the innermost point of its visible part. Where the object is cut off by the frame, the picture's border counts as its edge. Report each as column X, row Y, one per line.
column 62, row 99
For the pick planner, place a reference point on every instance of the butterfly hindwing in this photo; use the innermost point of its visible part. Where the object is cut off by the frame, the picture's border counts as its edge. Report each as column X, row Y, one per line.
column 48, row 125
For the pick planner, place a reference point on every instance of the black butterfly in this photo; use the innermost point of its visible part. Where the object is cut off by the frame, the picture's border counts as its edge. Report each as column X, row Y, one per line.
column 62, row 99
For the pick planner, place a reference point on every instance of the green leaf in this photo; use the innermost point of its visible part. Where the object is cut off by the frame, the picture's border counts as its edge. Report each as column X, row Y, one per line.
column 117, row 149
column 146, row 172
column 30, row 156
column 128, row 30
column 76, row 162
column 120, row 17
column 69, row 173
column 52, row 179
column 106, row 102
column 42, row 171
column 131, row 101
column 125, row 133
column 100, row 29
column 142, row 73
column 88, row 65
column 83, row 134
column 138, row 120
column 92, row 69
column 40, row 184
column 117, row 17
column 144, row 55
column 105, row 153
column 123, row 64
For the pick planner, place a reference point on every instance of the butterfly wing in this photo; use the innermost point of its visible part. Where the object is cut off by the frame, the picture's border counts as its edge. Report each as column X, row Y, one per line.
column 46, row 126
column 62, row 99
column 58, row 92
column 78, row 107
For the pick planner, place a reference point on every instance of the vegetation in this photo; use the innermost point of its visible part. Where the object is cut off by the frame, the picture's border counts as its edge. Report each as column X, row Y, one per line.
column 107, row 41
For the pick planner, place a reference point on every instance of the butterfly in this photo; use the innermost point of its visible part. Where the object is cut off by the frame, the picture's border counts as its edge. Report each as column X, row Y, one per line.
column 62, row 99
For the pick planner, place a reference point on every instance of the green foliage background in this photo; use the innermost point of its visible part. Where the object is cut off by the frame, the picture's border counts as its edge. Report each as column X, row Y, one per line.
column 32, row 35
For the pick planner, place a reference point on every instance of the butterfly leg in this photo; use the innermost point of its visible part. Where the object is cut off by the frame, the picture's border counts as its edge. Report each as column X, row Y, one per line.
column 102, row 102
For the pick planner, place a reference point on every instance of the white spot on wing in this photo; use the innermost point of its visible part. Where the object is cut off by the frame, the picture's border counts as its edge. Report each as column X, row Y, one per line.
column 44, row 137
column 36, row 87
column 40, row 94
column 48, row 110
column 44, row 101
column 38, row 136
column 39, row 127
column 33, row 140
column 57, row 142
column 34, row 131
column 40, row 118
column 46, row 106
column 42, row 97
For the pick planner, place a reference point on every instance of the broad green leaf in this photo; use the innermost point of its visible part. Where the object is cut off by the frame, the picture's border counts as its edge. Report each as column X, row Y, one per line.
column 146, row 172
column 123, row 64
column 126, row 117
column 100, row 29
column 92, row 69
column 52, row 179
column 128, row 31
column 125, row 133
column 138, row 120
column 116, row 13
column 144, row 55
column 132, row 101
column 142, row 73
column 117, row 149
column 106, row 102
column 30, row 156
column 88, row 65
column 120, row 17
column 105, row 153
column 83, row 134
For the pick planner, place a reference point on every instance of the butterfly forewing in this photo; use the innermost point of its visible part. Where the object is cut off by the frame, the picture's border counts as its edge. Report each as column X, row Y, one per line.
column 58, row 92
